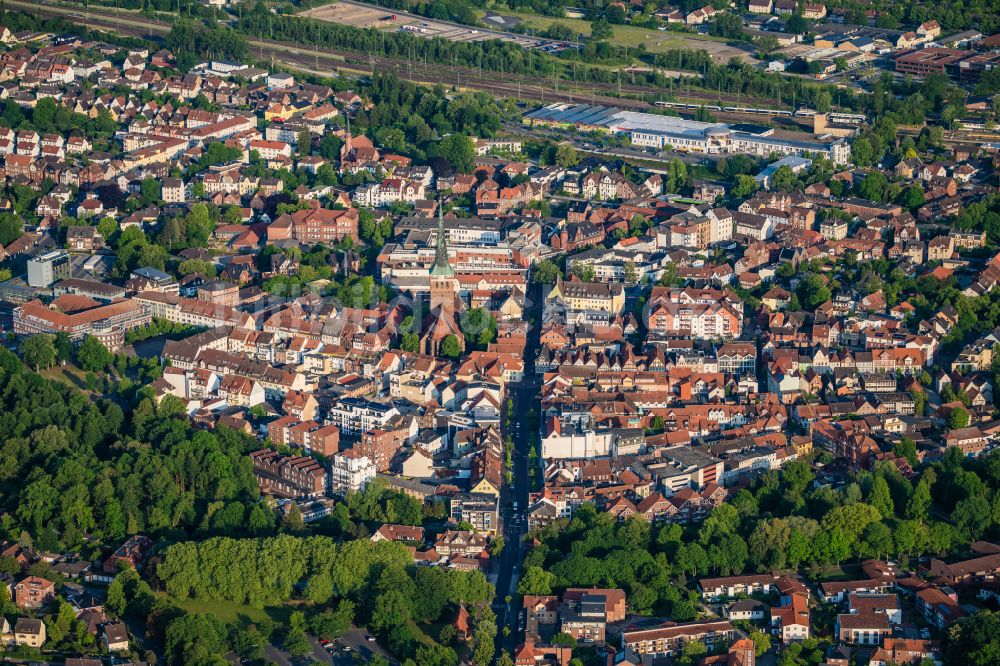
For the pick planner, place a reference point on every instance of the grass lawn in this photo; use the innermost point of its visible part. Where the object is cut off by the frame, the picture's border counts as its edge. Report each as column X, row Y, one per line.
column 420, row 631
column 656, row 41
column 68, row 374
column 842, row 572
column 428, row 633
column 233, row 613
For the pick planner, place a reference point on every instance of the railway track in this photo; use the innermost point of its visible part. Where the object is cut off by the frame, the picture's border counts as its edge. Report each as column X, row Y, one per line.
column 329, row 62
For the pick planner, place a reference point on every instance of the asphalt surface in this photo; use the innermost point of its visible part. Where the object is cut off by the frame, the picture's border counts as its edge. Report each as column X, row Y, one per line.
column 357, row 640
column 483, row 32
column 526, row 397
column 276, row 655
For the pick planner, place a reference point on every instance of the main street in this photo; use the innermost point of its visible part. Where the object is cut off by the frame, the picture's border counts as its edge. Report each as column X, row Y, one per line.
column 526, row 398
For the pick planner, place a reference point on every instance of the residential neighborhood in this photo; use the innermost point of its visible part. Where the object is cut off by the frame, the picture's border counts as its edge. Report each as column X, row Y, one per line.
column 302, row 366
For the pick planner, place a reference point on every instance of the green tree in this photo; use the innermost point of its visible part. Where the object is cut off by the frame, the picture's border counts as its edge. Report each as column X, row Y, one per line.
column 197, row 638
column 296, row 642
column 766, row 46
column 64, row 346
column 910, row 537
column 392, row 609
column 92, row 355
column 450, row 347
column 744, row 187
column 761, row 642
column 862, row 152
column 304, row 142
column 676, row 176
column 695, row 649
column 107, row 227
column 823, row 101
column 150, row 189
column 410, row 342
column 479, row 326
column 40, row 351
column 536, row 581
column 913, row 197
column 457, row 149
column 545, row 271
column 877, row 540
column 115, row 600
column 483, row 633
column 784, row 179
column 631, row 274
column 873, row 187
column 958, row 418
column 189, row 266
column 881, row 498
column 566, row 155
column 812, row 292
column 920, row 502
column 974, row 642
column 972, row 516
column 906, row 448
column 600, row 30
column 292, row 520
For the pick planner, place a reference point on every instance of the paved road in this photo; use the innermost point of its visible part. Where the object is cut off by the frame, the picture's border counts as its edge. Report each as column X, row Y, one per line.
column 277, row 656
column 526, row 398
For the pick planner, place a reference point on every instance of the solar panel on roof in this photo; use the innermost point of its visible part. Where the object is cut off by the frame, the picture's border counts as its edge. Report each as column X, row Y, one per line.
column 580, row 113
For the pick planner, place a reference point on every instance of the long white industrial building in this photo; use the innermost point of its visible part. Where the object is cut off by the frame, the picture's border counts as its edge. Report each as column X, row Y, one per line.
column 655, row 131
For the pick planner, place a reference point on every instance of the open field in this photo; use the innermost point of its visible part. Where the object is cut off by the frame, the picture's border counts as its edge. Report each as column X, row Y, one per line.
column 353, row 15
column 656, row 41
column 230, row 612
column 68, row 374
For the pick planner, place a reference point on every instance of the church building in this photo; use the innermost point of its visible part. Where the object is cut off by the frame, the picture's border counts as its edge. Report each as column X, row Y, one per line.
column 445, row 302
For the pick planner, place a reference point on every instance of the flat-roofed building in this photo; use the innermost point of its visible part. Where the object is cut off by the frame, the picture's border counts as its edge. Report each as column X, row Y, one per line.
column 670, row 639
column 48, row 268
column 930, row 60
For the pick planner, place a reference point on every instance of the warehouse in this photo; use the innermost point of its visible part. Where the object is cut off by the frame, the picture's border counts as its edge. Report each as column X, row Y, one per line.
column 650, row 130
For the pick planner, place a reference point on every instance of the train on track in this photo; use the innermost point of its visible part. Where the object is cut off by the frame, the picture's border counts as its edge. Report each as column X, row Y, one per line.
column 847, row 118
column 725, row 109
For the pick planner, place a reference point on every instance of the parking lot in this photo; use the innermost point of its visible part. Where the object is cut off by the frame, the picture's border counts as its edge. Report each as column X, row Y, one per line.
column 356, row 646
column 360, row 15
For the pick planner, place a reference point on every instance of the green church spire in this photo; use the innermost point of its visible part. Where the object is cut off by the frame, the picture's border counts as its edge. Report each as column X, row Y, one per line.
column 441, row 266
